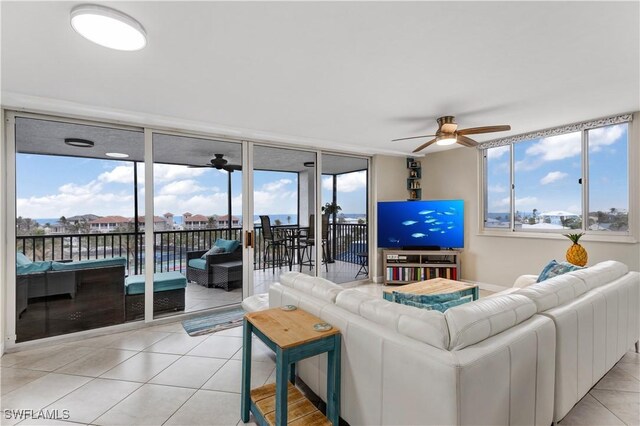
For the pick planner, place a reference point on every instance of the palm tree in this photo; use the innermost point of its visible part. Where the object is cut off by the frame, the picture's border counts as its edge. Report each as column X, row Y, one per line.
column 288, row 219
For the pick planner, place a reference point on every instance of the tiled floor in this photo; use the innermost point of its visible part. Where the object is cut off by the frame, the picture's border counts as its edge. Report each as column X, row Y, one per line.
column 160, row 375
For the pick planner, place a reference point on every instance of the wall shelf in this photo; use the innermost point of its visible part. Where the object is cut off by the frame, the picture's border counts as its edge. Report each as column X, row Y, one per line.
column 413, row 179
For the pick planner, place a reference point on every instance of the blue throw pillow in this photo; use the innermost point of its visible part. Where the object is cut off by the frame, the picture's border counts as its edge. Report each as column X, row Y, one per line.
column 22, row 260
column 213, row 250
column 553, row 269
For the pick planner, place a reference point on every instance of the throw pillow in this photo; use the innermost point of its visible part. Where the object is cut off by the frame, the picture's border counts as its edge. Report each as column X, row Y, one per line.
column 22, row 260
column 553, row 269
column 213, row 250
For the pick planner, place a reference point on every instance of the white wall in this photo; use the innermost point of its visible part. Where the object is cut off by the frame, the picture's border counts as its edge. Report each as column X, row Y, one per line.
column 453, row 174
column 390, row 183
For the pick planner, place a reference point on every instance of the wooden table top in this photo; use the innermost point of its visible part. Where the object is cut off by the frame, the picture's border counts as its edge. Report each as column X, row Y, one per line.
column 288, row 328
column 433, row 286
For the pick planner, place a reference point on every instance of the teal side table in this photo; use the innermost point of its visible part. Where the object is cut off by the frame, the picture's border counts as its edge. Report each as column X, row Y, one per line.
column 291, row 335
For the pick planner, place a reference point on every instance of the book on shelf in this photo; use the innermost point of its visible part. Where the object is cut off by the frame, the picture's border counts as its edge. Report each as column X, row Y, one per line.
column 400, row 273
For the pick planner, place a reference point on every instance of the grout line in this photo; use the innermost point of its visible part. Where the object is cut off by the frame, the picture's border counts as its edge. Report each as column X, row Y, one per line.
column 605, row 407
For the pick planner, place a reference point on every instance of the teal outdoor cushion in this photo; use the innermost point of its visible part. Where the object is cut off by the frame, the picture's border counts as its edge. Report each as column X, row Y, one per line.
column 553, row 269
column 162, row 281
column 21, row 259
column 229, row 246
column 437, row 306
column 88, row 264
column 198, row 264
column 33, row 268
column 213, row 250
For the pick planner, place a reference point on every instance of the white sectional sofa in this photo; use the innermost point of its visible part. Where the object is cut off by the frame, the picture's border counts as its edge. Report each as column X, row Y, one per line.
column 522, row 356
column 596, row 313
column 487, row 362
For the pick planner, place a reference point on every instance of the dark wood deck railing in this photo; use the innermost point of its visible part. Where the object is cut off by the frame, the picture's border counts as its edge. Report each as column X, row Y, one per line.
column 171, row 246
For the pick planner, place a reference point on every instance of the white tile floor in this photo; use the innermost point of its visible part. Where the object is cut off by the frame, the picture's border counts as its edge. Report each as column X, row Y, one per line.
column 160, row 375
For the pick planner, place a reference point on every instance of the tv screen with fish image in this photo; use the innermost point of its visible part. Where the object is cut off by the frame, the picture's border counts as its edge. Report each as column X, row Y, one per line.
column 406, row 224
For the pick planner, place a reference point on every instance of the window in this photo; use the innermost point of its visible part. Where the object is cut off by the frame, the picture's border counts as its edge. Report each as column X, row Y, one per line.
column 573, row 178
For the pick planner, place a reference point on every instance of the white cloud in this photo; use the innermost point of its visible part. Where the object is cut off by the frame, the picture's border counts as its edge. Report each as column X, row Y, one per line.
column 557, row 147
column 497, row 188
column 187, row 186
column 526, row 202
column 161, row 173
column 348, row 182
column 553, row 177
column 76, row 199
column 495, row 153
column 276, row 185
column 604, row 136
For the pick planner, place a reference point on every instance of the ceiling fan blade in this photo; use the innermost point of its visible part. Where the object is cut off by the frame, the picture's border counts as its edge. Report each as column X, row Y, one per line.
column 199, row 167
column 465, row 141
column 424, row 145
column 485, row 129
column 413, row 137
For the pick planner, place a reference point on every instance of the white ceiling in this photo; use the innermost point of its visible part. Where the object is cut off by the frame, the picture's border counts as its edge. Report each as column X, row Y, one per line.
column 349, row 76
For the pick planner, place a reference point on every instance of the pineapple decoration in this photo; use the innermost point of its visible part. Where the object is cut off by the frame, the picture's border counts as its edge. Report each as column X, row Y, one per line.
column 576, row 254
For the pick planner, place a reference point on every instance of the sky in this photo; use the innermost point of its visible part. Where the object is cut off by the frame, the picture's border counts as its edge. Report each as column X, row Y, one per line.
column 53, row 186
column 547, row 172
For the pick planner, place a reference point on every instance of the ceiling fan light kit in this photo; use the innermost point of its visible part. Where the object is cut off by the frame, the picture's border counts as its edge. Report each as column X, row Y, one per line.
column 448, row 133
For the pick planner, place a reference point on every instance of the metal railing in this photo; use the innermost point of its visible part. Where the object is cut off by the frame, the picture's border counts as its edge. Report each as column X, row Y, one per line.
column 170, row 247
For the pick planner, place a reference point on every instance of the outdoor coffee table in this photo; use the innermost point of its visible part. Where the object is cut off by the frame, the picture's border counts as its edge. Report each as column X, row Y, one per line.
column 292, row 336
column 433, row 286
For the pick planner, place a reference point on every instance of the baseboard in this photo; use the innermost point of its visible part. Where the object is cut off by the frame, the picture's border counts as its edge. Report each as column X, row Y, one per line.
column 486, row 286
column 2, row 348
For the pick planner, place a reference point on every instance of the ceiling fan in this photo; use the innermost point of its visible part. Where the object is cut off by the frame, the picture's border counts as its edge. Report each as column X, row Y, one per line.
column 220, row 163
column 449, row 134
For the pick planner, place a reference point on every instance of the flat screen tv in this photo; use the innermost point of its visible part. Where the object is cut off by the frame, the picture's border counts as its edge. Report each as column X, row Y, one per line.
column 421, row 224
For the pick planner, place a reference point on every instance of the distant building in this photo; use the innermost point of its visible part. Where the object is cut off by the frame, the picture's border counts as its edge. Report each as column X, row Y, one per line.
column 108, row 223
column 223, row 221
column 196, row 221
column 159, row 223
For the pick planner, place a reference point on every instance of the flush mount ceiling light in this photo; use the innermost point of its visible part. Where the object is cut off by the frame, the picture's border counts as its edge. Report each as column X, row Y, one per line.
column 108, row 27
column 116, row 155
column 446, row 140
column 79, row 143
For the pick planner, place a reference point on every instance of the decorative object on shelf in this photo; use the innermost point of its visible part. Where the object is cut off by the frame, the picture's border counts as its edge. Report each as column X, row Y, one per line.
column 413, row 181
column 576, row 254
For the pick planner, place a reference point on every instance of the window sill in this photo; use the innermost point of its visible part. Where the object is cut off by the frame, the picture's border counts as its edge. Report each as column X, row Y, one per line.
column 622, row 239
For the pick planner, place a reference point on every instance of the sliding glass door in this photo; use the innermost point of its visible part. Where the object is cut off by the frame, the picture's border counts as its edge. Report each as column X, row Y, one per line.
column 77, row 228
column 344, row 209
column 197, row 230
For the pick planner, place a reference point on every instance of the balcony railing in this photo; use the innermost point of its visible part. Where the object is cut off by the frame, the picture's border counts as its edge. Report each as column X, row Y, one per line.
column 170, row 247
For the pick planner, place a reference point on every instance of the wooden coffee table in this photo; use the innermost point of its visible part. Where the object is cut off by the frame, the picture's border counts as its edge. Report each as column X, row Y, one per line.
column 434, row 286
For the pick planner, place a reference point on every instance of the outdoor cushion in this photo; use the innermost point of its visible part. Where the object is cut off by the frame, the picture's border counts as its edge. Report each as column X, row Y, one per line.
column 33, row 267
column 213, row 250
column 198, row 264
column 229, row 246
column 162, row 281
column 88, row 264
column 21, row 259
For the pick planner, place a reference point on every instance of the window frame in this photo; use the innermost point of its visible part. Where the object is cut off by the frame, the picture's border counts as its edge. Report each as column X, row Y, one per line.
column 629, row 236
